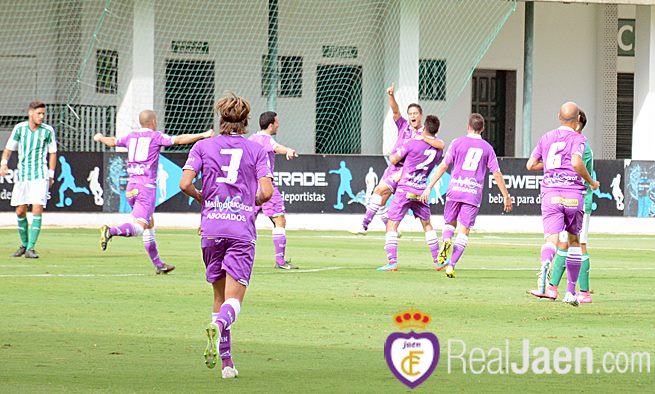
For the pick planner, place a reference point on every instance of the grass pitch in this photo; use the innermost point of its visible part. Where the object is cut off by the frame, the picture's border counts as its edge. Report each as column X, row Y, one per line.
column 79, row 320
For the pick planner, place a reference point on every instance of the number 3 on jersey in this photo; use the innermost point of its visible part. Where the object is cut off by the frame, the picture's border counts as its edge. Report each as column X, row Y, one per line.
column 472, row 159
column 232, row 168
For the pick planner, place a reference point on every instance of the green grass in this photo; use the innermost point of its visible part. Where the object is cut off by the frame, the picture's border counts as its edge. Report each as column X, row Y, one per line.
column 84, row 328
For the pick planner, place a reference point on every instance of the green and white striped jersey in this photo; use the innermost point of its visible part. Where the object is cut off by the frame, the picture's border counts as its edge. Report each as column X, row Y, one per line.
column 33, row 148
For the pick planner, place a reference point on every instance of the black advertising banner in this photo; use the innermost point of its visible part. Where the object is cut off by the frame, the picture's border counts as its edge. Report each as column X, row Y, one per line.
column 91, row 182
column 640, row 188
column 77, row 186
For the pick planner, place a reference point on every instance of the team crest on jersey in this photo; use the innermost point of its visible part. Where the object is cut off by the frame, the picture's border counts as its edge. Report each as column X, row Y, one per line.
column 412, row 356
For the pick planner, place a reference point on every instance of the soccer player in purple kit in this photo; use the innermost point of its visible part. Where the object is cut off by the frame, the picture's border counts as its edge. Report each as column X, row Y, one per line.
column 420, row 158
column 560, row 152
column 143, row 147
column 471, row 157
column 235, row 178
column 274, row 208
column 407, row 129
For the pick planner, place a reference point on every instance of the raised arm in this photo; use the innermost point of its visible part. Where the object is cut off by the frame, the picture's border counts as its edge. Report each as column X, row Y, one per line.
column 438, row 173
column 284, row 150
column 109, row 141
column 184, row 139
column 500, row 181
column 392, row 103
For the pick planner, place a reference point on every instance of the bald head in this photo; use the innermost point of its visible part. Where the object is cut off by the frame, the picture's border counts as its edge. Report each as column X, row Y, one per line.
column 148, row 119
column 568, row 114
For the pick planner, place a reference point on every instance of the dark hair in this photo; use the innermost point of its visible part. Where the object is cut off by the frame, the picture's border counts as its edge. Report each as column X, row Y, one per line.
column 432, row 124
column 415, row 105
column 266, row 119
column 582, row 119
column 36, row 104
column 476, row 122
column 233, row 111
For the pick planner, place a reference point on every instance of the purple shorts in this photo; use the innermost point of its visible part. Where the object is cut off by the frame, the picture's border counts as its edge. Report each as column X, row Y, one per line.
column 142, row 200
column 230, row 255
column 562, row 210
column 391, row 176
column 401, row 203
column 273, row 207
column 460, row 212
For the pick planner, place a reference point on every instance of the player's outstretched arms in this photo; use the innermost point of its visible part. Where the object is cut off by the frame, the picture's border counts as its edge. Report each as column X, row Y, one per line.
column 265, row 191
column 392, row 102
column 534, row 164
column 187, row 187
column 507, row 199
column 184, row 139
column 284, row 150
column 438, row 173
column 109, row 141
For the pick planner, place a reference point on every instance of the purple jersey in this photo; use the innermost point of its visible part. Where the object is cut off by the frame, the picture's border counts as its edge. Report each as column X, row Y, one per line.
column 471, row 157
column 419, row 160
column 269, row 144
column 405, row 133
column 556, row 149
column 143, row 148
column 231, row 167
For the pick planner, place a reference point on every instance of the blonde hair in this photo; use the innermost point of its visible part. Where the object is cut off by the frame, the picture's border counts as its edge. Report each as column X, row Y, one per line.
column 233, row 111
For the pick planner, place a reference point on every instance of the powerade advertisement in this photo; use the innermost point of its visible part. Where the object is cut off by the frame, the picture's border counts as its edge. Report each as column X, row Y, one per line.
column 96, row 182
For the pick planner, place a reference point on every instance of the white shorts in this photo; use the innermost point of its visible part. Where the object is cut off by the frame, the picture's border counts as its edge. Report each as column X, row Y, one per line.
column 584, row 233
column 30, row 192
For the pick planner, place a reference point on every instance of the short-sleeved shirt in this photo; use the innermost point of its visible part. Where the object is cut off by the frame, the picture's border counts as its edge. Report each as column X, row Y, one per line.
column 405, row 133
column 471, row 158
column 268, row 143
column 33, row 148
column 556, row 149
column 231, row 167
column 419, row 160
column 143, row 147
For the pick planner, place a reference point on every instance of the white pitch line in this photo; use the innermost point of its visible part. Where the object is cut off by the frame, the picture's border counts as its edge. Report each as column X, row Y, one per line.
column 299, row 271
column 65, row 275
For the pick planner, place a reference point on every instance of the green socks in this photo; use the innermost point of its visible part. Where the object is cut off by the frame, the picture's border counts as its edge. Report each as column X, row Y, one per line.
column 22, row 230
column 559, row 265
column 583, row 280
column 34, row 231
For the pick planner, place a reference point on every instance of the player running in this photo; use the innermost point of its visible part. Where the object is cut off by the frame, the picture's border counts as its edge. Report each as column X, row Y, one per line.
column 559, row 153
column 274, row 208
column 471, row 157
column 235, row 178
column 143, row 147
column 407, row 129
column 584, row 296
column 420, row 158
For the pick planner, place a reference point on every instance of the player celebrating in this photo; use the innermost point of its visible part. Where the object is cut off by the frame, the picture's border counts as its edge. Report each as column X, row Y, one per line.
column 235, row 178
column 143, row 148
column 274, row 209
column 471, row 157
column 559, row 152
column 584, row 297
column 37, row 160
column 407, row 129
column 420, row 158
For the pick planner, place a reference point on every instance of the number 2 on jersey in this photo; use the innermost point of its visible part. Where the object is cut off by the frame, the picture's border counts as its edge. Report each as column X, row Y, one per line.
column 232, row 168
column 430, row 153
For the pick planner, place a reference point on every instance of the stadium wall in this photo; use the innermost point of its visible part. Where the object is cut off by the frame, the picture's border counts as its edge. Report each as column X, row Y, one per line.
column 555, row 80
